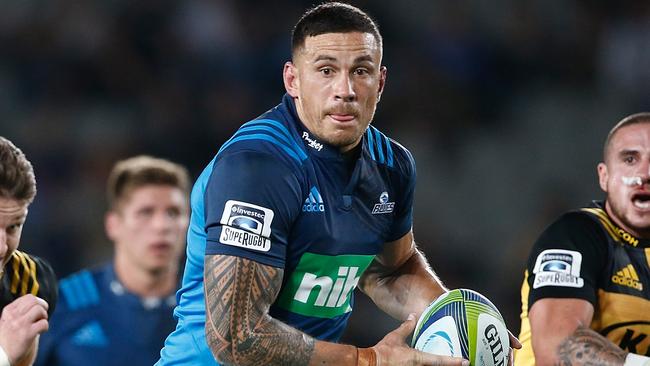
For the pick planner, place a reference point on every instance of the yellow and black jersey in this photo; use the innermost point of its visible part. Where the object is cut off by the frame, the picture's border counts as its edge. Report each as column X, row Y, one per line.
column 585, row 255
column 27, row 274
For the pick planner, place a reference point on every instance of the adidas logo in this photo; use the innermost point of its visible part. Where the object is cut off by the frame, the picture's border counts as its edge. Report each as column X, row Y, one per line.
column 314, row 202
column 91, row 334
column 628, row 277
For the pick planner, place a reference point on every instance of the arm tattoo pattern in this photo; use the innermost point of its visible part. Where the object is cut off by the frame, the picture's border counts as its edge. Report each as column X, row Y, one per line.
column 238, row 294
column 586, row 347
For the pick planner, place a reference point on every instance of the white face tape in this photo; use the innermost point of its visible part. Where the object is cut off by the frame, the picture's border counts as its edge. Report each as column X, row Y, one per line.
column 632, row 181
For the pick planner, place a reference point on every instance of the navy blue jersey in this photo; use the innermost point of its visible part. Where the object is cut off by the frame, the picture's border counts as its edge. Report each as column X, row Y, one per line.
column 98, row 322
column 277, row 195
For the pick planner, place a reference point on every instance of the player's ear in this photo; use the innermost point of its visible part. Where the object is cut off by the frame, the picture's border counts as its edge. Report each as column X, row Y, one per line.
column 111, row 224
column 603, row 175
column 382, row 81
column 290, row 78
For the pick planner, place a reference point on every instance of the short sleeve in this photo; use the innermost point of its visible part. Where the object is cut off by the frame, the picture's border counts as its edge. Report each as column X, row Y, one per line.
column 251, row 201
column 567, row 259
column 403, row 220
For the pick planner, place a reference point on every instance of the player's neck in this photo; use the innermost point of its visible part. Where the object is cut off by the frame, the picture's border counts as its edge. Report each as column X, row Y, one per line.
column 146, row 283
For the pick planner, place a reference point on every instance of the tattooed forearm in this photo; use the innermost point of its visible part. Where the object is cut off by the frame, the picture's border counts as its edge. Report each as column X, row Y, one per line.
column 239, row 330
column 586, row 347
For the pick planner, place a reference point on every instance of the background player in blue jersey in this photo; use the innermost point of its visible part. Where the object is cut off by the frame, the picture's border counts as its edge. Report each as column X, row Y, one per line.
column 120, row 313
column 28, row 284
column 299, row 207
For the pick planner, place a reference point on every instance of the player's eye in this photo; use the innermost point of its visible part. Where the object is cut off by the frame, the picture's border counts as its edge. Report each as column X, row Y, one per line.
column 629, row 159
column 173, row 213
column 326, row 71
column 361, row 71
column 145, row 212
column 13, row 229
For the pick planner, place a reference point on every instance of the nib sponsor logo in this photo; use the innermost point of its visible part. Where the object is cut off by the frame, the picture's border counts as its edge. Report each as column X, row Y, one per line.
column 332, row 292
column 314, row 202
column 628, row 277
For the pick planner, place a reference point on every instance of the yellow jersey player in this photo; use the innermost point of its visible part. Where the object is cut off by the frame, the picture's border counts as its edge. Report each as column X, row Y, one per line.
column 28, row 288
column 586, row 293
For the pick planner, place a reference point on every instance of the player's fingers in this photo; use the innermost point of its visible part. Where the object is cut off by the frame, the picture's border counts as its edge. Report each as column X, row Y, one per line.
column 511, row 357
column 407, row 327
column 514, row 342
column 435, row 360
column 40, row 326
column 24, row 303
column 35, row 313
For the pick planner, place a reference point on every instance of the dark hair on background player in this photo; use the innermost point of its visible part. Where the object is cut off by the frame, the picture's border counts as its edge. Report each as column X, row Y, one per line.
column 633, row 119
column 17, row 180
column 332, row 17
column 143, row 170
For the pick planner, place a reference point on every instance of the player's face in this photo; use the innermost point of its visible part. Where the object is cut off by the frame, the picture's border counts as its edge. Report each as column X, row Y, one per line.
column 149, row 227
column 13, row 214
column 625, row 176
column 336, row 80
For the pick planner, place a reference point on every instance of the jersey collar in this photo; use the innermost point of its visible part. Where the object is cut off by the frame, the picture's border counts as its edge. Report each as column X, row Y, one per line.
column 149, row 303
column 598, row 208
column 312, row 144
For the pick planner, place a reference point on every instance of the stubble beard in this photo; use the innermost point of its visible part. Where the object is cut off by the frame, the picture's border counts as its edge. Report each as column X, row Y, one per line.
column 619, row 214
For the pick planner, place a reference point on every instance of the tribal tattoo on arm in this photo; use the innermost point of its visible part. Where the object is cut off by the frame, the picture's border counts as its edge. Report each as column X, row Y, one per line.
column 587, row 347
column 239, row 330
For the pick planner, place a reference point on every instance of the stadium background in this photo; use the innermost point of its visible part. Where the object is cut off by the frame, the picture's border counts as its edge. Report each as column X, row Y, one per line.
column 505, row 105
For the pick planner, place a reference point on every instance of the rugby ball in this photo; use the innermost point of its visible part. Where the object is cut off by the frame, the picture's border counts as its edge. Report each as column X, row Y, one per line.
column 463, row 323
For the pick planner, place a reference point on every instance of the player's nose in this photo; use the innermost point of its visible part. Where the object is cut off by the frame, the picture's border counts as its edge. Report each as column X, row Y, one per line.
column 344, row 88
column 644, row 170
column 163, row 221
column 3, row 243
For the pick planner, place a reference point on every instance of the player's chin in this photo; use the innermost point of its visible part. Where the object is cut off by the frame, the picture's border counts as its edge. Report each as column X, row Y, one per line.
column 345, row 136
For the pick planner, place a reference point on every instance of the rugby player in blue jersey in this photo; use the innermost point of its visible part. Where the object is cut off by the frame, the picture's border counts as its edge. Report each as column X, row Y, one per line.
column 120, row 313
column 299, row 207
column 27, row 283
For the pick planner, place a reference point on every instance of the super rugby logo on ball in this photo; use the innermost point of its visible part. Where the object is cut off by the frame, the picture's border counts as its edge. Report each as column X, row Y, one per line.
column 463, row 323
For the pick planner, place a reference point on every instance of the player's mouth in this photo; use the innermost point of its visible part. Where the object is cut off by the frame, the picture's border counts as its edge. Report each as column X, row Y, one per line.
column 161, row 247
column 641, row 200
column 342, row 117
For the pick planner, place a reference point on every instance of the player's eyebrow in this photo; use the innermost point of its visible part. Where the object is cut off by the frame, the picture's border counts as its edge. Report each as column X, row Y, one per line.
column 626, row 152
column 364, row 58
column 21, row 217
column 325, row 58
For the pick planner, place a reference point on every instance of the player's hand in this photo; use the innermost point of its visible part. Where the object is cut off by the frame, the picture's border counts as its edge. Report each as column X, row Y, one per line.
column 393, row 350
column 514, row 343
column 20, row 323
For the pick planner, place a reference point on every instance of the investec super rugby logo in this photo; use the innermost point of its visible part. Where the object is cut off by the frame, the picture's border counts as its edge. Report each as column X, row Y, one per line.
column 322, row 285
column 246, row 225
column 558, row 268
column 383, row 206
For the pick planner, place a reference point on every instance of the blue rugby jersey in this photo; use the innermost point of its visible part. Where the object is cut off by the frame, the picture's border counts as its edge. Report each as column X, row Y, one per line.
column 98, row 322
column 277, row 195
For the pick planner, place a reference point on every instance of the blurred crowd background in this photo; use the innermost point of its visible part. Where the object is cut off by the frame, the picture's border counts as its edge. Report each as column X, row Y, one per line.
column 504, row 103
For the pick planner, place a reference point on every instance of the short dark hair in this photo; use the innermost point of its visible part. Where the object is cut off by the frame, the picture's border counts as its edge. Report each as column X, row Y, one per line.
column 140, row 171
column 17, row 180
column 332, row 17
column 633, row 119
